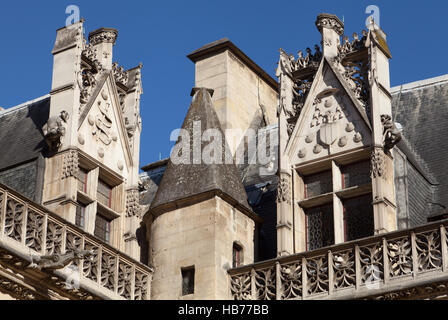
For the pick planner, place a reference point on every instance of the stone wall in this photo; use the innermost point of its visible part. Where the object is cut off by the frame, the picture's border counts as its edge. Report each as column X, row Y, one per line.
column 200, row 235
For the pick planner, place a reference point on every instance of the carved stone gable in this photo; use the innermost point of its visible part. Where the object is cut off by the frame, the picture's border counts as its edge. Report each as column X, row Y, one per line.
column 330, row 122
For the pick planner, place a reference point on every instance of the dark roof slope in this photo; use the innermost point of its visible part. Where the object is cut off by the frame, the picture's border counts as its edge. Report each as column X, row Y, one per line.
column 21, row 135
column 422, row 109
column 182, row 181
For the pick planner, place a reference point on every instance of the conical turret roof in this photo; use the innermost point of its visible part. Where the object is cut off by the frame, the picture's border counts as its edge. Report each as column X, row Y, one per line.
column 183, row 182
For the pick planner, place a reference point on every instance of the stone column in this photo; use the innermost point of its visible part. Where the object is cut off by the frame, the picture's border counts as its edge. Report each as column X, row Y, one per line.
column 383, row 189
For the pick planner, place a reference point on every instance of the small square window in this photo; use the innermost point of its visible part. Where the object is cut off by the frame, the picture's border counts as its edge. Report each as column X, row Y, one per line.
column 237, row 255
column 317, row 184
column 104, row 193
column 102, row 227
column 356, row 174
column 80, row 219
column 187, row 281
column 82, row 179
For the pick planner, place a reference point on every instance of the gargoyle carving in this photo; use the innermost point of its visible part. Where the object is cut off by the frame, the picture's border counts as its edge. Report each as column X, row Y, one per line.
column 391, row 134
column 58, row 261
column 54, row 129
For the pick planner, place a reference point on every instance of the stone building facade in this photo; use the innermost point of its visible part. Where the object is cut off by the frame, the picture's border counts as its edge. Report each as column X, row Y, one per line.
column 346, row 200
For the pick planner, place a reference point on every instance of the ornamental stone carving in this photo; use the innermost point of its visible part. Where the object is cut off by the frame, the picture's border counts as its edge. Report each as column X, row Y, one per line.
column 329, row 21
column 70, row 166
column 391, row 135
column 283, row 191
column 54, row 130
column 133, row 208
column 103, row 35
column 58, row 261
column 377, row 164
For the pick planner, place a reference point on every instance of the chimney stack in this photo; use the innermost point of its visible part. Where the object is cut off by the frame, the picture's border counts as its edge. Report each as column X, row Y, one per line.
column 102, row 41
column 331, row 29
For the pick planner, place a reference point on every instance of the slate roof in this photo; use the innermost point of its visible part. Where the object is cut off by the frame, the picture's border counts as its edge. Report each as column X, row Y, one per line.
column 422, row 110
column 21, row 136
column 182, row 181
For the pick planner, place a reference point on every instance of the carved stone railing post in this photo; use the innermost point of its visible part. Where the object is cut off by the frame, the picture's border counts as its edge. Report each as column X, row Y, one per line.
column 64, row 239
column 304, row 279
column 414, row 256
column 278, row 281
column 99, row 264
column 44, row 234
column 386, row 261
column 444, row 248
column 330, row 273
column 357, row 268
column 117, row 270
column 253, row 285
column 3, row 213
column 133, row 284
column 24, row 221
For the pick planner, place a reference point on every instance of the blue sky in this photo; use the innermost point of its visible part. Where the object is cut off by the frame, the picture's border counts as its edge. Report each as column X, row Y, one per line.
column 161, row 33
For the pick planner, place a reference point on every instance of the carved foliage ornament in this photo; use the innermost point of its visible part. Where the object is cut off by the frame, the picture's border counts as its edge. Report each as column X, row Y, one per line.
column 378, row 164
column 70, row 166
column 283, row 191
column 133, row 208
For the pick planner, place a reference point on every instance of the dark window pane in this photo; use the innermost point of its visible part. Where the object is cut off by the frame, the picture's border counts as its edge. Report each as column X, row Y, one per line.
column 356, row 174
column 104, row 193
column 80, row 215
column 188, row 281
column 82, row 179
column 318, row 184
column 102, row 228
column 320, row 227
column 237, row 255
column 358, row 217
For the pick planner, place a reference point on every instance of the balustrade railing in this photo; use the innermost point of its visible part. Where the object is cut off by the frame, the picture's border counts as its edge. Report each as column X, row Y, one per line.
column 42, row 232
column 357, row 269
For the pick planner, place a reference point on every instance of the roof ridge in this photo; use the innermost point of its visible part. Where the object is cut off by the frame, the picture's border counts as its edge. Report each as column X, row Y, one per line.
column 420, row 84
column 22, row 105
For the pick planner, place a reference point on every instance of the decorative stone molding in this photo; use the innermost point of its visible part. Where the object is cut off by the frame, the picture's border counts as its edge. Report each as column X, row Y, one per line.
column 16, row 291
column 120, row 75
column 378, row 164
column 405, row 264
column 329, row 21
column 71, row 164
column 103, row 35
column 133, row 208
column 283, row 190
column 50, row 236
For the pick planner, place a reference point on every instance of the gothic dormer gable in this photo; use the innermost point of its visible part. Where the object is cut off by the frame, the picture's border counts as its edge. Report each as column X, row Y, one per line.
column 331, row 121
column 101, row 127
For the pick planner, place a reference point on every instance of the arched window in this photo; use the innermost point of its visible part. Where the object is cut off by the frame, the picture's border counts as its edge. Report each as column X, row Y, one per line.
column 237, row 255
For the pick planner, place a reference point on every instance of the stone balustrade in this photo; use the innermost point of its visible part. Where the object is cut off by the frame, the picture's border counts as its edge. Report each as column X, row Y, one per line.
column 28, row 229
column 404, row 264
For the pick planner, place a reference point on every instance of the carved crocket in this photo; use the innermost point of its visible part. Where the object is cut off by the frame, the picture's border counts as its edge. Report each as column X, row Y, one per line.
column 58, row 261
column 391, row 134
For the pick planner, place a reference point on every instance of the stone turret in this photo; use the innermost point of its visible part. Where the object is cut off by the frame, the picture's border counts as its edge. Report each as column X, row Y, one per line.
column 199, row 213
column 102, row 41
